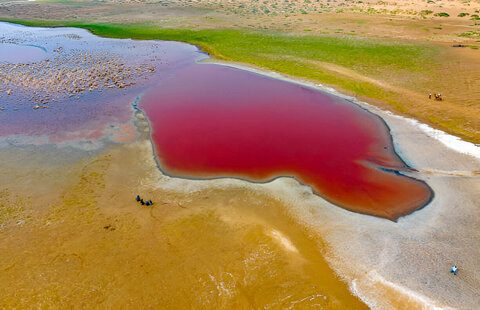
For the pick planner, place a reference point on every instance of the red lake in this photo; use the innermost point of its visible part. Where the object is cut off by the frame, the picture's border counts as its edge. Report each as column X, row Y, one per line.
column 211, row 121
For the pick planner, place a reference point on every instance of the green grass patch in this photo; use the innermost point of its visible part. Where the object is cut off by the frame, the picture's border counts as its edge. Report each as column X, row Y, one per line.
column 443, row 14
column 242, row 44
column 426, row 12
column 289, row 54
column 470, row 34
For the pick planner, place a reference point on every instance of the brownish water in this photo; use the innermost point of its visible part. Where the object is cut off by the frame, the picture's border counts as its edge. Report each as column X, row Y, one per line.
column 72, row 235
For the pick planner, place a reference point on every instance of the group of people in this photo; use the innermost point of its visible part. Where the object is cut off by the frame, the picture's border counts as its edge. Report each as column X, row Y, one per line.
column 437, row 96
column 144, row 203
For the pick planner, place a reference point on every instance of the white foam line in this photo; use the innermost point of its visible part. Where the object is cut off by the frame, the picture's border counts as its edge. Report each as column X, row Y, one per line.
column 374, row 277
column 452, row 142
column 369, row 302
column 287, row 244
column 429, row 303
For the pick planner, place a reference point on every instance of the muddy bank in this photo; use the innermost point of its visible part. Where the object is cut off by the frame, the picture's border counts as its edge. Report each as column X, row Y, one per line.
column 73, row 234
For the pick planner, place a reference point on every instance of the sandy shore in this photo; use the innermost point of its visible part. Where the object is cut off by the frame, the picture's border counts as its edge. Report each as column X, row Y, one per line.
column 405, row 264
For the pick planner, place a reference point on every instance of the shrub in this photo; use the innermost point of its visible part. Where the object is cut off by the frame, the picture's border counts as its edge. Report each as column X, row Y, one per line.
column 443, row 14
column 470, row 34
column 426, row 12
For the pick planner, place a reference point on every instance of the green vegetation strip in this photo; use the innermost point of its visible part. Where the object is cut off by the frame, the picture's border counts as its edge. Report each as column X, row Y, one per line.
column 289, row 54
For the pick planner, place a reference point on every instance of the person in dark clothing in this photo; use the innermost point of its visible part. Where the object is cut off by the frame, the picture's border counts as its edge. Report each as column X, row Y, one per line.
column 142, row 202
column 138, row 198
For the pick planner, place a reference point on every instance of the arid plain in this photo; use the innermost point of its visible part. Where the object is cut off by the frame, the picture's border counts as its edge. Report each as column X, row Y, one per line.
column 71, row 234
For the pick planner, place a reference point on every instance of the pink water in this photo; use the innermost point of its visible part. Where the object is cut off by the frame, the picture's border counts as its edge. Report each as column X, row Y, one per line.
column 211, row 121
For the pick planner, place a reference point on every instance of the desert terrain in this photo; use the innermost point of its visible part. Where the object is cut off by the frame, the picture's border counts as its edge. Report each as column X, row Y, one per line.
column 72, row 234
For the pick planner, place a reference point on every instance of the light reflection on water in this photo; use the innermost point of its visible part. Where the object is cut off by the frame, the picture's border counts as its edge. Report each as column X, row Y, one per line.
column 73, row 113
column 16, row 53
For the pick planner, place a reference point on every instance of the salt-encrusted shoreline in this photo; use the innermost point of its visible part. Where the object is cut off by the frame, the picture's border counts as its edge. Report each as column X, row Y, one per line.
column 404, row 264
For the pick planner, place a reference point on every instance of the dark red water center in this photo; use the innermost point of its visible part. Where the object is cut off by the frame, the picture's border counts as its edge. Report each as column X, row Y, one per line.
column 213, row 121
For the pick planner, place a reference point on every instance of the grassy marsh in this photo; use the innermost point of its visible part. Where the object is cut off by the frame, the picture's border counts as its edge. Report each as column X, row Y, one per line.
column 287, row 54
column 395, row 74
